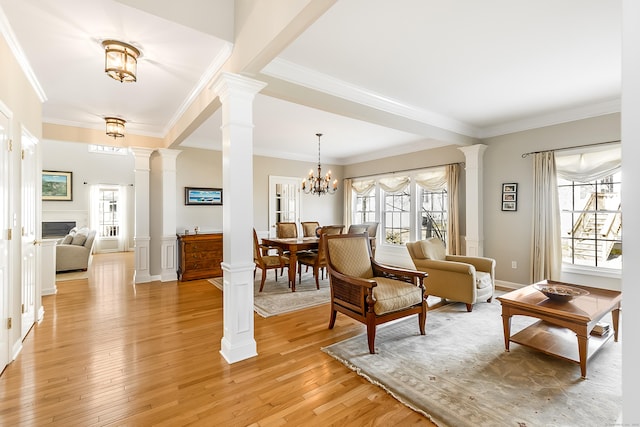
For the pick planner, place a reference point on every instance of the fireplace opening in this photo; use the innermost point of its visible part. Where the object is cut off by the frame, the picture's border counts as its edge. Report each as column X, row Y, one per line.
column 56, row 229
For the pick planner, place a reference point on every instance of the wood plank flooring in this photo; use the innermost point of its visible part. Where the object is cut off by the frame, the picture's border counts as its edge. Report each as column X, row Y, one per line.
column 110, row 352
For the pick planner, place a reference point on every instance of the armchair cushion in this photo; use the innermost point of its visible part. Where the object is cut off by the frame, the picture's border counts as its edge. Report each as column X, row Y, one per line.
column 348, row 260
column 433, row 249
column 483, row 280
column 66, row 240
column 393, row 295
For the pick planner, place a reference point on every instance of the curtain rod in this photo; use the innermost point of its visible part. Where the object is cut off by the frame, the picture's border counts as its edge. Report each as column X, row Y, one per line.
column 524, row 155
column 106, row 183
column 403, row 170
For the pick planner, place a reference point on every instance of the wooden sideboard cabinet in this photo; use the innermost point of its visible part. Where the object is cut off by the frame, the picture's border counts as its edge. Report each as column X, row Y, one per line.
column 199, row 256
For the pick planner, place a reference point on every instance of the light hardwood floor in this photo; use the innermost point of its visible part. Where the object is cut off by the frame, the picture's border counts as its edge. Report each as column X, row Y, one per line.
column 110, row 352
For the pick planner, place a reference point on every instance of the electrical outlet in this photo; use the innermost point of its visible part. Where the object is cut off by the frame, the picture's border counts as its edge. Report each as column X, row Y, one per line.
column 514, row 264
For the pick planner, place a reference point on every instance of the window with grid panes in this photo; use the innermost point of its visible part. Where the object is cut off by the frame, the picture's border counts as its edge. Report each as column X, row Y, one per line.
column 397, row 216
column 108, row 213
column 591, row 222
column 434, row 214
column 365, row 207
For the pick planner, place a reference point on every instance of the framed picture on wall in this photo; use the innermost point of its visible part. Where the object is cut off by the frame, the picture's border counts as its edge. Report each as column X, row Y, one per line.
column 200, row 196
column 57, row 185
column 510, row 196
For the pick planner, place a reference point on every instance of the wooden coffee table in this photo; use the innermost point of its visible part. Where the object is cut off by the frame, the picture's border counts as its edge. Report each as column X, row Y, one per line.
column 552, row 334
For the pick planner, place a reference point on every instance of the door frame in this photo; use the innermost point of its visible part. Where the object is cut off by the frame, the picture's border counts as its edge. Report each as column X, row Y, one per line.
column 273, row 181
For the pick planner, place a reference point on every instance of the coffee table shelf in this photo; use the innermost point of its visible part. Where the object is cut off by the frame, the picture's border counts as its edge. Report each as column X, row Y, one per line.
column 557, row 341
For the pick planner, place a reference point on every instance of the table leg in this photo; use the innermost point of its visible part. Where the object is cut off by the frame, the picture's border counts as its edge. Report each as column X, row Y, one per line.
column 293, row 265
column 615, row 316
column 506, row 327
column 583, row 345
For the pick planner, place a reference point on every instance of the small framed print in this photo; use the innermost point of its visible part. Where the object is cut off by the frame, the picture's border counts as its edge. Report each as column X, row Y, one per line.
column 510, row 196
column 202, row 196
column 509, row 206
column 510, row 188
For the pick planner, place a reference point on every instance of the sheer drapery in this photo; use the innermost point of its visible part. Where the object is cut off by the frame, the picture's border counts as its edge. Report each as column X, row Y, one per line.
column 393, row 184
column 348, row 202
column 589, row 166
column 453, row 225
column 361, row 186
column 546, row 251
column 433, row 179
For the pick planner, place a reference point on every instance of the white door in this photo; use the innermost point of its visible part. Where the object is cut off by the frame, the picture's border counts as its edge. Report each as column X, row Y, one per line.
column 284, row 201
column 5, row 225
column 29, row 177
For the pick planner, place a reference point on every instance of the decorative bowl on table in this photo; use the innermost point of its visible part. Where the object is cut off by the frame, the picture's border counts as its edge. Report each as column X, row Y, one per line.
column 559, row 292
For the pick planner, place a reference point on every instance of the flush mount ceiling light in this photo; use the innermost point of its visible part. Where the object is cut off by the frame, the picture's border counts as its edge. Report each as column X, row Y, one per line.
column 115, row 127
column 120, row 61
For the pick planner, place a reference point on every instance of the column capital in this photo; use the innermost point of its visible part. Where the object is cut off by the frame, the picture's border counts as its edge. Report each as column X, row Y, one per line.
column 168, row 158
column 228, row 83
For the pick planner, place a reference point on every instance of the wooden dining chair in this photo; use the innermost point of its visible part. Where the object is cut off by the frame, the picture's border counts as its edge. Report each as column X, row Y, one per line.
column 286, row 230
column 265, row 262
column 309, row 228
column 317, row 260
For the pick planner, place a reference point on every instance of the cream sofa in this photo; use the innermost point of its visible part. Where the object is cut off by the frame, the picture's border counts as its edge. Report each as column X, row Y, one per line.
column 453, row 277
column 73, row 252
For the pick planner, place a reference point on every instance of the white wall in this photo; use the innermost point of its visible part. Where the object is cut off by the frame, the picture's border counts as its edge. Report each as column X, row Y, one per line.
column 89, row 168
column 203, row 168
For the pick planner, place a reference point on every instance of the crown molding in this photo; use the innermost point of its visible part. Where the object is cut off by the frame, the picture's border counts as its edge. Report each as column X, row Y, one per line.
column 543, row 120
column 203, row 83
column 21, row 58
column 312, row 79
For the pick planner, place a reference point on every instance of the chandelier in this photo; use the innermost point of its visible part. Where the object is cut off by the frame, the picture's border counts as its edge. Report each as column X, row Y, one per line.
column 115, row 127
column 121, row 60
column 319, row 184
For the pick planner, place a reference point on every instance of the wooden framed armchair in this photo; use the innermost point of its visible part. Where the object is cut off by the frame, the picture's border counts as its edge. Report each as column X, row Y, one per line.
column 459, row 278
column 370, row 292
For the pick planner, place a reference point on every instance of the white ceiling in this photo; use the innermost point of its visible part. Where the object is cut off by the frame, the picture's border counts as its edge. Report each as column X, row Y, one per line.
column 393, row 77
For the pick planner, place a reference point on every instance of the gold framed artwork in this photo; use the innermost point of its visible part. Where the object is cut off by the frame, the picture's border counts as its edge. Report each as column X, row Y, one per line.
column 57, row 185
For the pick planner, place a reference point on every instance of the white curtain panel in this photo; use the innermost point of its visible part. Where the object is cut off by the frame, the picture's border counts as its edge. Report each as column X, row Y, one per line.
column 546, row 251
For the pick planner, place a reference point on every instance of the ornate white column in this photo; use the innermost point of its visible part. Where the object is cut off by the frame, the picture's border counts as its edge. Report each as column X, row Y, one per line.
column 474, row 235
column 141, row 236
column 168, row 245
column 236, row 95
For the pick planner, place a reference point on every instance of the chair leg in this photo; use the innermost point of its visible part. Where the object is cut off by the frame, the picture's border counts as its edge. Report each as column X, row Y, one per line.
column 422, row 318
column 469, row 308
column 264, row 276
column 371, row 332
column 332, row 318
column 316, row 273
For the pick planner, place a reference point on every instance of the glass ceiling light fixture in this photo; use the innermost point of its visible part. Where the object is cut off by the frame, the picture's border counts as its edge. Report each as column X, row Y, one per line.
column 120, row 61
column 115, row 127
column 319, row 184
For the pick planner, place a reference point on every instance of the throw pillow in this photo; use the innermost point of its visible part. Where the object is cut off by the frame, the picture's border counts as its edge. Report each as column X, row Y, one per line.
column 67, row 239
column 79, row 239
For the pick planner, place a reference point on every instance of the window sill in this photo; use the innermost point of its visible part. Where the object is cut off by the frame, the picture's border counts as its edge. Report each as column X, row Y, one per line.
column 592, row 271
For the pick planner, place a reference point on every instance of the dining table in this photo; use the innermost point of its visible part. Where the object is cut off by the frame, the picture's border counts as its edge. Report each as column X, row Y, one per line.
column 293, row 245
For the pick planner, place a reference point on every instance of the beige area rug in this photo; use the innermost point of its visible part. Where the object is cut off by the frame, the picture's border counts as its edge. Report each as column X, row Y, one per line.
column 72, row 275
column 277, row 298
column 459, row 374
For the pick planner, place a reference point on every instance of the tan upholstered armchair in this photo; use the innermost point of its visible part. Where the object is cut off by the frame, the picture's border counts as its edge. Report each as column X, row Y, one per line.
column 367, row 291
column 454, row 277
